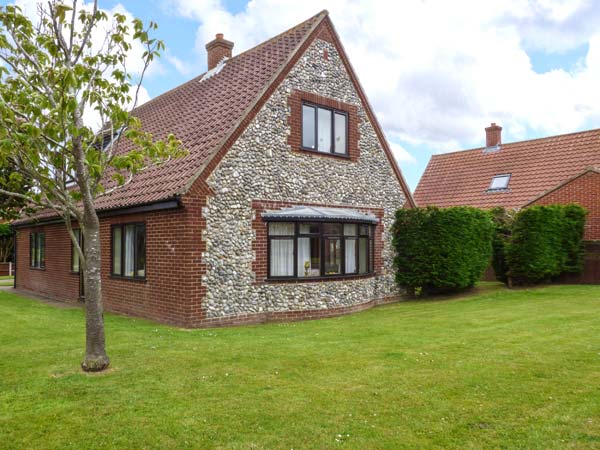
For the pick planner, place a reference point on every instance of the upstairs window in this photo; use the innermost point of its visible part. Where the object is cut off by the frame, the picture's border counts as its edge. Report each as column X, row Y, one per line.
column 37, row 248
column 499, row 182
column 129, row 250
column 324, row 130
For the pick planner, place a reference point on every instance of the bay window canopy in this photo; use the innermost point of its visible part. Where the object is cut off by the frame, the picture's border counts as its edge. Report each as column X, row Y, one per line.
column 316, row 242
column 318, row 214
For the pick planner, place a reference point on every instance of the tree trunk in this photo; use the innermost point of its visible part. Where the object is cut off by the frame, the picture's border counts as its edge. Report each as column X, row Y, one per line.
column 95, row 351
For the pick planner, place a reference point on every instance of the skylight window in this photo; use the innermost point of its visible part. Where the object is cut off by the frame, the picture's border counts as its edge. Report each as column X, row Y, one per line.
column 499, row 182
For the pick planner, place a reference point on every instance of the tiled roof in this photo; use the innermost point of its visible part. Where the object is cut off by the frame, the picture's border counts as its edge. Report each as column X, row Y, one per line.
column 208, row 112
column 537, row 165
column 202, row 114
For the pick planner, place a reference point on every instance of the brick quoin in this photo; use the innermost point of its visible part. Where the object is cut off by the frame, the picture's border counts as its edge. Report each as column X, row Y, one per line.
column 585, row 191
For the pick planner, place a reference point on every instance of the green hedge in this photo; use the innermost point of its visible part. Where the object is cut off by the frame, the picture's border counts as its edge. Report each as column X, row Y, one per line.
column 503, row 221
column 573, row 231
column 441, row 250
column 546, row 241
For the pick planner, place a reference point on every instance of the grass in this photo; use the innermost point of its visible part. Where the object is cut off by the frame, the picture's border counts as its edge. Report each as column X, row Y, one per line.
column 498, row 369
column 6, row 281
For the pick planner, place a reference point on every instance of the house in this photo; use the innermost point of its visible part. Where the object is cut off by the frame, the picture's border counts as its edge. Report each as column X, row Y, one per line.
column 557, row 169
column 282, row 209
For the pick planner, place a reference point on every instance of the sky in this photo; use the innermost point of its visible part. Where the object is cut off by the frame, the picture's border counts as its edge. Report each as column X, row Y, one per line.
column 436, row 72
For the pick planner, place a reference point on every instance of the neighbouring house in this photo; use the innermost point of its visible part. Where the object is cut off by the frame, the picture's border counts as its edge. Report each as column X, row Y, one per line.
column 282, row 209
column 557, row 169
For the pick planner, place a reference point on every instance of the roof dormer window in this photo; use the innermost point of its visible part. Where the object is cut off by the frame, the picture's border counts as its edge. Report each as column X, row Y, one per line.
column 499, row 182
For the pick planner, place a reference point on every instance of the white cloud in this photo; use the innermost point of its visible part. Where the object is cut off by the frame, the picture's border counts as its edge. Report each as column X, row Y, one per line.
column 438, row 72
column 183, row 67
column 401, row 154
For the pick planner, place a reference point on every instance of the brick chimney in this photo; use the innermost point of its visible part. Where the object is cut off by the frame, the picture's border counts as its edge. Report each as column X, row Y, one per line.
column 493, row 135
column 217, row 49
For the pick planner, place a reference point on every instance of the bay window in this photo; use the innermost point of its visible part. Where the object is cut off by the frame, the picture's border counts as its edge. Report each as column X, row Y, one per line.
column 319, row 249
column 324, row 130
column 128, row 245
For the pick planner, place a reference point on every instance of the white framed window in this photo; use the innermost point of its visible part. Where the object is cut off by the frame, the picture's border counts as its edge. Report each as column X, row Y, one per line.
column 499, row 182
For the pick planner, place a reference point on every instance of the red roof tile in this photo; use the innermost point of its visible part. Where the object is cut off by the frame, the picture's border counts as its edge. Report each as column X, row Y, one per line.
column 537, row 165
column 206, row 115
column 202, row 114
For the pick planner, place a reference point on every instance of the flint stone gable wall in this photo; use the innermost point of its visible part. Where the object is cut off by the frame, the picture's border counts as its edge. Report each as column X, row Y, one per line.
column 261, row 165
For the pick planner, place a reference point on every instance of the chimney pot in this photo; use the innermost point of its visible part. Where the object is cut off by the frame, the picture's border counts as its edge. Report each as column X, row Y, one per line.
column 493, row 135
column 217, row 49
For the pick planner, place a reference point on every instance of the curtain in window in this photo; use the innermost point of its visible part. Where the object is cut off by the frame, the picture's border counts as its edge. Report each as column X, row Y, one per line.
column 350, row 255
column 340, row 133
column 308, row 126
column 324, row 130
column 282, row 257
column 116, row 251
column 304, row 263
column 362, row 255
column 129, row 250
column 41, row 262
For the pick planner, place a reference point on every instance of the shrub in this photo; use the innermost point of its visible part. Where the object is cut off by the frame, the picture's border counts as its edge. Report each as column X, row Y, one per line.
column 503, row 221
column 573, row 230
column 441, row 250
column 546, row 241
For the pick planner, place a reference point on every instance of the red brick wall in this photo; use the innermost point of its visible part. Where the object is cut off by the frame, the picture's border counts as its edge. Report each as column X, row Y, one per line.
column 172, row 290
column 259, row 245
column 56, row 279
column 584, row 190
column 295, row 121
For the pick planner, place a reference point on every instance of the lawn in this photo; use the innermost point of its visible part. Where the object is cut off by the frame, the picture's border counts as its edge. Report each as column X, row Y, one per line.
column 496, row 369
column 6, row 281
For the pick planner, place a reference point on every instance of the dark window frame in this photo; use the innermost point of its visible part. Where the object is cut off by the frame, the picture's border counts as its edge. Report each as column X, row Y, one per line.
column 370, row 249
column 121, row 275
column 34, row 243
column 333, row 112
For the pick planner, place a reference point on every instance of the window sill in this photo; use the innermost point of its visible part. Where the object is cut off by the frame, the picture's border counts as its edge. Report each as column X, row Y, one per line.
column 43, row 269
column 497, row 191
column 320, row 279
column 344, row 156
column 134, row 279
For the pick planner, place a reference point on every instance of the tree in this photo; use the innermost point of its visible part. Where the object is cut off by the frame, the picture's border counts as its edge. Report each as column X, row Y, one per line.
column 6, row 243
column 53, row 74
column 11, row 180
